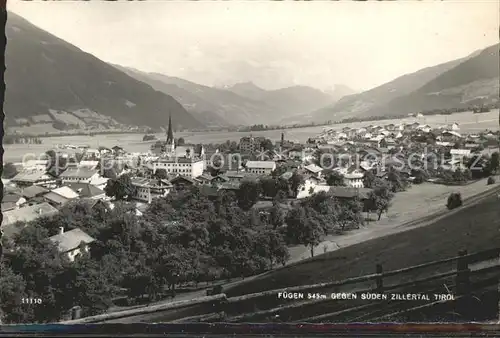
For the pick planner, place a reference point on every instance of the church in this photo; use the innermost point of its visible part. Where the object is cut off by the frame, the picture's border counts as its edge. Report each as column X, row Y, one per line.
column 177, row 160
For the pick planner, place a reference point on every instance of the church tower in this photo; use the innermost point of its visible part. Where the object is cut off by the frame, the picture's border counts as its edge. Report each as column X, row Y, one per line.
column 170, row 136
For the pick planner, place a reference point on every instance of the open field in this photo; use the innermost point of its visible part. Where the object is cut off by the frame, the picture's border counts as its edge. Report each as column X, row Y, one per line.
column 417, row 202
column 474, row 227
column 468, row 122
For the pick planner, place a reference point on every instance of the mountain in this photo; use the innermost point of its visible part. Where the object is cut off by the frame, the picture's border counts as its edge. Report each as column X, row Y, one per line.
column 387, row 99
column 287, row 102
column 215, row 105
column 47, row 77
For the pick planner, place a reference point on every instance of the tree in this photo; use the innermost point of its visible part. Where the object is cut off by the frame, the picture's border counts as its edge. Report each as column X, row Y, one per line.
column 334, row 178
column 396, row 182
column 120, row 188
column 277, row 215
column 295, row 182
column 369, row 179
column 180, row 141
column 491, row 180
column 269, row 186
column 248, row 194
column 9, row 170
column 304, row 228
column 161, row 174
column 494, row 162
column 380, row 199
column 12, row 311
column 267, row 145
column 454, row 201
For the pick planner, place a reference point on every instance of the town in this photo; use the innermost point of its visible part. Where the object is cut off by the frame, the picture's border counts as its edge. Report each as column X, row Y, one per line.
column 108, row 229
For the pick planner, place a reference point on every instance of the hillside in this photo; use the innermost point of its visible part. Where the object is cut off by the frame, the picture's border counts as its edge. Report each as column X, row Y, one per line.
column 46, row 74
column 473, row 82
column 473, row 227
column 230, row 107
column 289, row 102
column 379, row 101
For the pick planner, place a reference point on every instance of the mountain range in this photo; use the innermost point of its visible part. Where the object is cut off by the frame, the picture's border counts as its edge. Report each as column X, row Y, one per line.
column 240, row 104
column 50, row 81
column 461, row 83
column 45, row 74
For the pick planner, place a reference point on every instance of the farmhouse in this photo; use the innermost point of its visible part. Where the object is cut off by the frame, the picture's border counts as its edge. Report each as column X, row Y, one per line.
column 260, row 167
column 24, row 215
column 147, row 189
column 72, row 243
column 79, row 175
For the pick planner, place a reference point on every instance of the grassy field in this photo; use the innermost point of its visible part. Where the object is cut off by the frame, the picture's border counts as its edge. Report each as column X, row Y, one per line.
column 417, row 202
column 474, row 228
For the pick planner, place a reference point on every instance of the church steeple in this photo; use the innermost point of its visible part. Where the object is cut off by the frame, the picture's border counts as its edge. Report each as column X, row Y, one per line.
column 170, row 133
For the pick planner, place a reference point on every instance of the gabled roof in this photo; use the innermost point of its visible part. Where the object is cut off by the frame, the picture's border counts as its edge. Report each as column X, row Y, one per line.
column 313, row 168
column 260, row 164
column 28, row 214
column 83, row 173
column 71, row 239
column 32, row 176
column 181, row 178
column 33, row 191
column 66, row 192
column 11, row 198
column 55, row 198
column 85, row 189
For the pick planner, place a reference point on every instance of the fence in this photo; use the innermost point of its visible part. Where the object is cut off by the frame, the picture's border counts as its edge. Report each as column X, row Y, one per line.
column 471, row 273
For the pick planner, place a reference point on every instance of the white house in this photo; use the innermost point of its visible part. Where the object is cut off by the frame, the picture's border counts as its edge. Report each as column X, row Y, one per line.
column 148, row 189
column 354, row 180
column 72, row 243
column 308, row 188
column 79, row 175
column 314, row 170
column 186, row 166
column 260, row 167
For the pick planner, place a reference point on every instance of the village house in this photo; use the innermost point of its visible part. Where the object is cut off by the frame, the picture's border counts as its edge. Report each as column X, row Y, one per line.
column 314, row 170
column 72, row 243
column 87, row 190
column 354, row 179
column 24, row 215
column 181, row 182
column 308, row 187
column 459, row 155
column 33, row 177
column 34, row 191
column 186, row 166
column 260, row 167
column 79, row 175
column 11, row 201
column 60, row 196
column 148, row 189
column 250, row 144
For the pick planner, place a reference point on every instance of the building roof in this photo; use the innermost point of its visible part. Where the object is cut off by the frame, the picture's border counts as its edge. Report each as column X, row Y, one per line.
column 14, row 198
column 33, row 191
column 313, row 168
column 28, row 214
column 463, row 152
column 151, row 183
column 181, row 178
column 348, row 192
column 6, row 206
column 32, row 176
column 66, row 192
column 260, row 164
column 56, row 198
column 70, row 240
column 83, row 173
column 85, row 189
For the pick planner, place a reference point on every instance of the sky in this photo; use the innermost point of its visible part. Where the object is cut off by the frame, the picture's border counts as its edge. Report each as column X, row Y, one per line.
column 272, row 44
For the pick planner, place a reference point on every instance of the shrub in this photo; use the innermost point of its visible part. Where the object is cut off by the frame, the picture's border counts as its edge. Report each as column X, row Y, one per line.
column 454, row 201
column 491, row 180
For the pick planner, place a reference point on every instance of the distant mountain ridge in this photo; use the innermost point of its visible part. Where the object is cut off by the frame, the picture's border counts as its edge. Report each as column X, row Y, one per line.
column 240, row 104
column 459, row 83
column 45, row 73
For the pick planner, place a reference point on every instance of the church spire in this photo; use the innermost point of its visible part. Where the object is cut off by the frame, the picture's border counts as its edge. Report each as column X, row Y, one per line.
column 170, row 133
